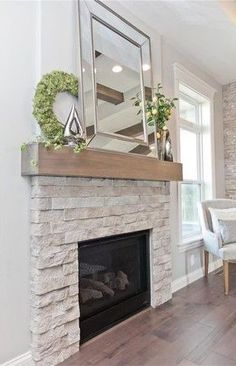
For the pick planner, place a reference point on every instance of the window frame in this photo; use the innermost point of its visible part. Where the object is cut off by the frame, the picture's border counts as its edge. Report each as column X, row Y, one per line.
column 196, row 128
column 192, row 82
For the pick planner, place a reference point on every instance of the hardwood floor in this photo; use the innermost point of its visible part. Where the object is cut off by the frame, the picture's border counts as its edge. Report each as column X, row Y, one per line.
column 197, row 327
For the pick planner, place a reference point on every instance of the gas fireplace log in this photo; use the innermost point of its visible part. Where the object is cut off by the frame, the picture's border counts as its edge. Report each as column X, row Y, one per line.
column 108, row 278
column 114, row 280
column 87, row 294
column 87, row 283
column 121, row 280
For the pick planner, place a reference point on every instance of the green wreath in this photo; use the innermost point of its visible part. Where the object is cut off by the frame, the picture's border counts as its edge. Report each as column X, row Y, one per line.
column 46, row 91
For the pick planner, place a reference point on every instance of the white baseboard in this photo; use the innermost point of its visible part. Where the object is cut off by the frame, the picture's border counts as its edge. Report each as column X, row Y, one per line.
column 22, row 360
column 194, row 276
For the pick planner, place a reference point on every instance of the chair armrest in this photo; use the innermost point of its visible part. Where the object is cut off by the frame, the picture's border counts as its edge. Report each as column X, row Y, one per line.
column 212, row 241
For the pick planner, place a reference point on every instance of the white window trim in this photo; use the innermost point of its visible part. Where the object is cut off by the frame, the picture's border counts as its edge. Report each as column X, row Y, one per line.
column 184, row 76
column 196, row 242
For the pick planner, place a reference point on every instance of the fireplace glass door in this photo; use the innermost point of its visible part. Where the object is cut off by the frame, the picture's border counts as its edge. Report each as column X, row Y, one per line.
column 113, row 280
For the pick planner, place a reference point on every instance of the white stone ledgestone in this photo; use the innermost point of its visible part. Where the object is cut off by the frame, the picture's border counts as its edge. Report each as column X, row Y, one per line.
column 229, row 119
column 74, row 202
column 50, row 279
column 45, row 339
column 65, row 226
column 43, row 320
column 67, row 210
column 39, row 301
column 73, row 290
column 122, row 200
column 147, row 183
column 57, row 357
column 40, row 181
column 124, row 183
column 43, row 241
column 70, row 268
column 50, row 259
column 47, row 216
column 46, row 251
column 41, row 204
column 56, row 346
column 40, row 229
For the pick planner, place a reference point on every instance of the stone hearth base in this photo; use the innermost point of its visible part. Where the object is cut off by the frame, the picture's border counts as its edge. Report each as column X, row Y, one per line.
column 67, row 210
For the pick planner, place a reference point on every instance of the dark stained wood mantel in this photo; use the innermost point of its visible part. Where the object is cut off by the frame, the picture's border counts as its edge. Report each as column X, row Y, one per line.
column 38, row 160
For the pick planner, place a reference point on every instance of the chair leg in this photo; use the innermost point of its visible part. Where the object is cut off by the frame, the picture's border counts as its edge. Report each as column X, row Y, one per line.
column 226, row 276
column 206, row 262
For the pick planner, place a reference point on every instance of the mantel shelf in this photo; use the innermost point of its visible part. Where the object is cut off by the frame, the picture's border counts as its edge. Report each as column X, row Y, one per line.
column 38, row 160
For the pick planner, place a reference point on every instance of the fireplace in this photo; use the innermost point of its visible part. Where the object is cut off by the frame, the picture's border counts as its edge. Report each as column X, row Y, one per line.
column 113, row 280
column 66, row 211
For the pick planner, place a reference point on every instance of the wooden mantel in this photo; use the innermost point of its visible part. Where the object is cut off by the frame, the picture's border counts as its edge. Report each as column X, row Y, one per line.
column 37, row 160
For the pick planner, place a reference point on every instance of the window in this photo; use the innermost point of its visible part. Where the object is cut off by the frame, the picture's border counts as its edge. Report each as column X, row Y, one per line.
column 190, row 156
column 195, row 153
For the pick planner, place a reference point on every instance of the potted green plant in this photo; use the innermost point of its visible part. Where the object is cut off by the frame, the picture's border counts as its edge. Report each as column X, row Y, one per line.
column 158, row 111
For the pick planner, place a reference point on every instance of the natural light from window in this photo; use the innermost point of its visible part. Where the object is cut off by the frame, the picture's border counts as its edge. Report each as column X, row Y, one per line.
column 195, row 154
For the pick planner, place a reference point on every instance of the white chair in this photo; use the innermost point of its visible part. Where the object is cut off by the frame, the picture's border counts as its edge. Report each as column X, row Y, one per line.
column 212, row 241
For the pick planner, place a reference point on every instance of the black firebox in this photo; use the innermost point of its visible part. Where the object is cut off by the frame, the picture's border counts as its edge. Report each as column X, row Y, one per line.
column 113, row 280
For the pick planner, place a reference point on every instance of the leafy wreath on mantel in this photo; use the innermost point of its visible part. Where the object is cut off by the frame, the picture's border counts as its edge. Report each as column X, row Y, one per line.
column 46, row 91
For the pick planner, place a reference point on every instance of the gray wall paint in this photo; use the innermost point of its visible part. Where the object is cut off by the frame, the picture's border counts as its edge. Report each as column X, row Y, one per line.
column 17, row 72
column 35, row 38
column 229, row 114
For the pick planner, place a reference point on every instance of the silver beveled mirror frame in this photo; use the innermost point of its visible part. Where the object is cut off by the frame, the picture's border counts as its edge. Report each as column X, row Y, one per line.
column 93, row 16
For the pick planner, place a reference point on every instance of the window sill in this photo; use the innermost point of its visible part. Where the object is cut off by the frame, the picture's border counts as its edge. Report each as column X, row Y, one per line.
column 190, row 243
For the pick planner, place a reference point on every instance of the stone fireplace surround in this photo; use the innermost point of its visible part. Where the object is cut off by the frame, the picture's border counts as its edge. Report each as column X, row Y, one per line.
column 66, row 210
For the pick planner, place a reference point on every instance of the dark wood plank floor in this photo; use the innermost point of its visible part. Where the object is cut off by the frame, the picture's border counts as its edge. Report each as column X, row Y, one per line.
column 197, row 327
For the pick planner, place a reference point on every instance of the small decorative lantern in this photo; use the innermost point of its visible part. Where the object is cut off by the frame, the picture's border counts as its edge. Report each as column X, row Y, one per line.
column 73, row 131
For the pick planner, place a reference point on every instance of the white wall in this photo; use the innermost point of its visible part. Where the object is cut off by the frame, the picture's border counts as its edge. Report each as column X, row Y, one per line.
column 37, row 37
column 17, row 79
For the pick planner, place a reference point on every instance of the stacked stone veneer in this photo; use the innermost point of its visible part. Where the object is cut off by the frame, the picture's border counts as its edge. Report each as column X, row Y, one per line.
column 229, row 118
column 67, row 210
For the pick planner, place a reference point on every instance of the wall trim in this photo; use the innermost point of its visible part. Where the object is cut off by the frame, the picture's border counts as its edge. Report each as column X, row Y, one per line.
column 192, row 81
column 22, row 360
column 194, row 276
column 190, row 245
column 187, row 77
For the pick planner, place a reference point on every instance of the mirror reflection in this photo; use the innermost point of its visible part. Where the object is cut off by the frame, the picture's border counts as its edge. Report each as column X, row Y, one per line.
column 118, row 79
column 116, row 68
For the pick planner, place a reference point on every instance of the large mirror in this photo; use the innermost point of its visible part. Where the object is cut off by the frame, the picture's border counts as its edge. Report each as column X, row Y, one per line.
column 115, row 70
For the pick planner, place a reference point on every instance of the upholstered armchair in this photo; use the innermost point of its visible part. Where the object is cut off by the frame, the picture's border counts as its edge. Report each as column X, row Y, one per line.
column 212, row 241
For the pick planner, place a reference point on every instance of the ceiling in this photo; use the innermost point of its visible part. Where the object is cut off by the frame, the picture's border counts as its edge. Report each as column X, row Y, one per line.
column 203, row 30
